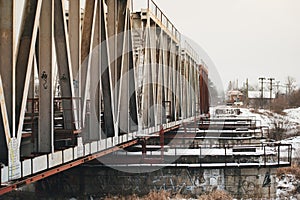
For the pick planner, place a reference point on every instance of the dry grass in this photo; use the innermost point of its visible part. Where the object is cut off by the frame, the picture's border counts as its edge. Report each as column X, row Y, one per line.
column 164, row 195
column 216, row 195
column 153, row 195
column 295, row 170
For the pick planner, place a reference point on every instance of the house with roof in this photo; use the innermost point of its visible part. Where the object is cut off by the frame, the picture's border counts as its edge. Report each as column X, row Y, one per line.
column 235, row 97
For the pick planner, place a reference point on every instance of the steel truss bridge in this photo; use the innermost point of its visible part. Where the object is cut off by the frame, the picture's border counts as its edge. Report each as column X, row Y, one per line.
column 81, row 79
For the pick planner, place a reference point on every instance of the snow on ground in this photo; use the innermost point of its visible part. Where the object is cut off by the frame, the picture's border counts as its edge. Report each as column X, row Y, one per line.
column 288, row 185
column 289, row 120
column 295, row 141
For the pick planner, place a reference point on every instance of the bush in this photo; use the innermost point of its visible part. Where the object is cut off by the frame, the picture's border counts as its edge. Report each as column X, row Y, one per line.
column 294, row 170
column 153, row 195
column 216, row 195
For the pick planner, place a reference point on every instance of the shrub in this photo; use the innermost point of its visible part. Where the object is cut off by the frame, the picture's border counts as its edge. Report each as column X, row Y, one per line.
column 216, row 195
column 294, row 170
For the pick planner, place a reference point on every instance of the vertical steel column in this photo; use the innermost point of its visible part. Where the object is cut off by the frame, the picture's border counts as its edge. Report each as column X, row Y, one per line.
column 127, row 98
column 95, row 95
column 206, row 93
column 175, row 85
column 184, row 82
column 153, row 68
column 133, row 110
column 189, row 96
column 6, row 70
column 25, row 61
column 64, row 65
column 160, row 80
column 178, row 84
column 112, row 22
column 45, row 134
column 106, row 79
column 146, row 89
column 167, row 69
column 193, row 94
column 172, row 79
column 86, row 51
column 75, row 38
column 74, row 26
column 201, row 90
column 123, row 83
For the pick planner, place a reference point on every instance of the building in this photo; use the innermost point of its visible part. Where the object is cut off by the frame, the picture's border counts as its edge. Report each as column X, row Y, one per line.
column 235, row 97
column 255, row 98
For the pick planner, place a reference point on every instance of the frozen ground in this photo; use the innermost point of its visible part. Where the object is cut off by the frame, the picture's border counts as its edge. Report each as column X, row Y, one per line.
column 288, row 185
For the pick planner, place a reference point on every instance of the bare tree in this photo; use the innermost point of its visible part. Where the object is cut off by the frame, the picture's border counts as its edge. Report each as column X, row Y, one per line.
column 290, row 85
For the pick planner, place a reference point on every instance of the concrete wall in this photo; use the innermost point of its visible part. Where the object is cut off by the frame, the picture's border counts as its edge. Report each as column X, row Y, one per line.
column 96, row 181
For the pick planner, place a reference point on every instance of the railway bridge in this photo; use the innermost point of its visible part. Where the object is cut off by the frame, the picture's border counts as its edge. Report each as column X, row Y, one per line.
column 81, row 79
column 113, row 83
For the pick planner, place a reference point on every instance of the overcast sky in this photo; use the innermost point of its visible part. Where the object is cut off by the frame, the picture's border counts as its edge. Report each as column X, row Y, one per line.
column 244, row 38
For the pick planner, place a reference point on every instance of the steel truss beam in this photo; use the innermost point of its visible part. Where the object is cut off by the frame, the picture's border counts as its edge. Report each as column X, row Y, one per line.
column 103, row 74
column 169, row 73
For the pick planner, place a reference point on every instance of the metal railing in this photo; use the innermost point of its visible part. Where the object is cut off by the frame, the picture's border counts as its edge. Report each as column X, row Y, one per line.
column 156, row 11
column 60, row 105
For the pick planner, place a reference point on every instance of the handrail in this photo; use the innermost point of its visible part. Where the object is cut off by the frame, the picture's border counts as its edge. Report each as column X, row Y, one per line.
column 155, row 10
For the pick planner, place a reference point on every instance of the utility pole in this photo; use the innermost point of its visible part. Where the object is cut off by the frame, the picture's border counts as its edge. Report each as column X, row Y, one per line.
column 262, row 91
column 271, row 88
column 277, row 86
column 247, row 91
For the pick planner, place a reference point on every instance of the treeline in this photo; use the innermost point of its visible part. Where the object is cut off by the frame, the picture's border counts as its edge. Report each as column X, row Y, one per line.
column 282, row 102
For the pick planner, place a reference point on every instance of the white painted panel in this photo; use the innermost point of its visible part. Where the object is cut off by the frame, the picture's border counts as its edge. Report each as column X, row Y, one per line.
column 120, row 140
column 55, row 159
column 144, row 132
column 125, row 138
column 102, row 144
column 115, row 140
column 153, row 129
column 168, row 125
column 108, row 142
column 26, row 167
column 68, row 155
column 94, row 147
column 157, row 128
column 130, row 136
column 39, row 163
column 80, row 147
column 4, row 174
column 75, row 150
column 87, row 149
column 99, row 145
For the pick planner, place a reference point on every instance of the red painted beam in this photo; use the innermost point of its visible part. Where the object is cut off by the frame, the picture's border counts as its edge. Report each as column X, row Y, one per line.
column 63, row 167
column 55, row 170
